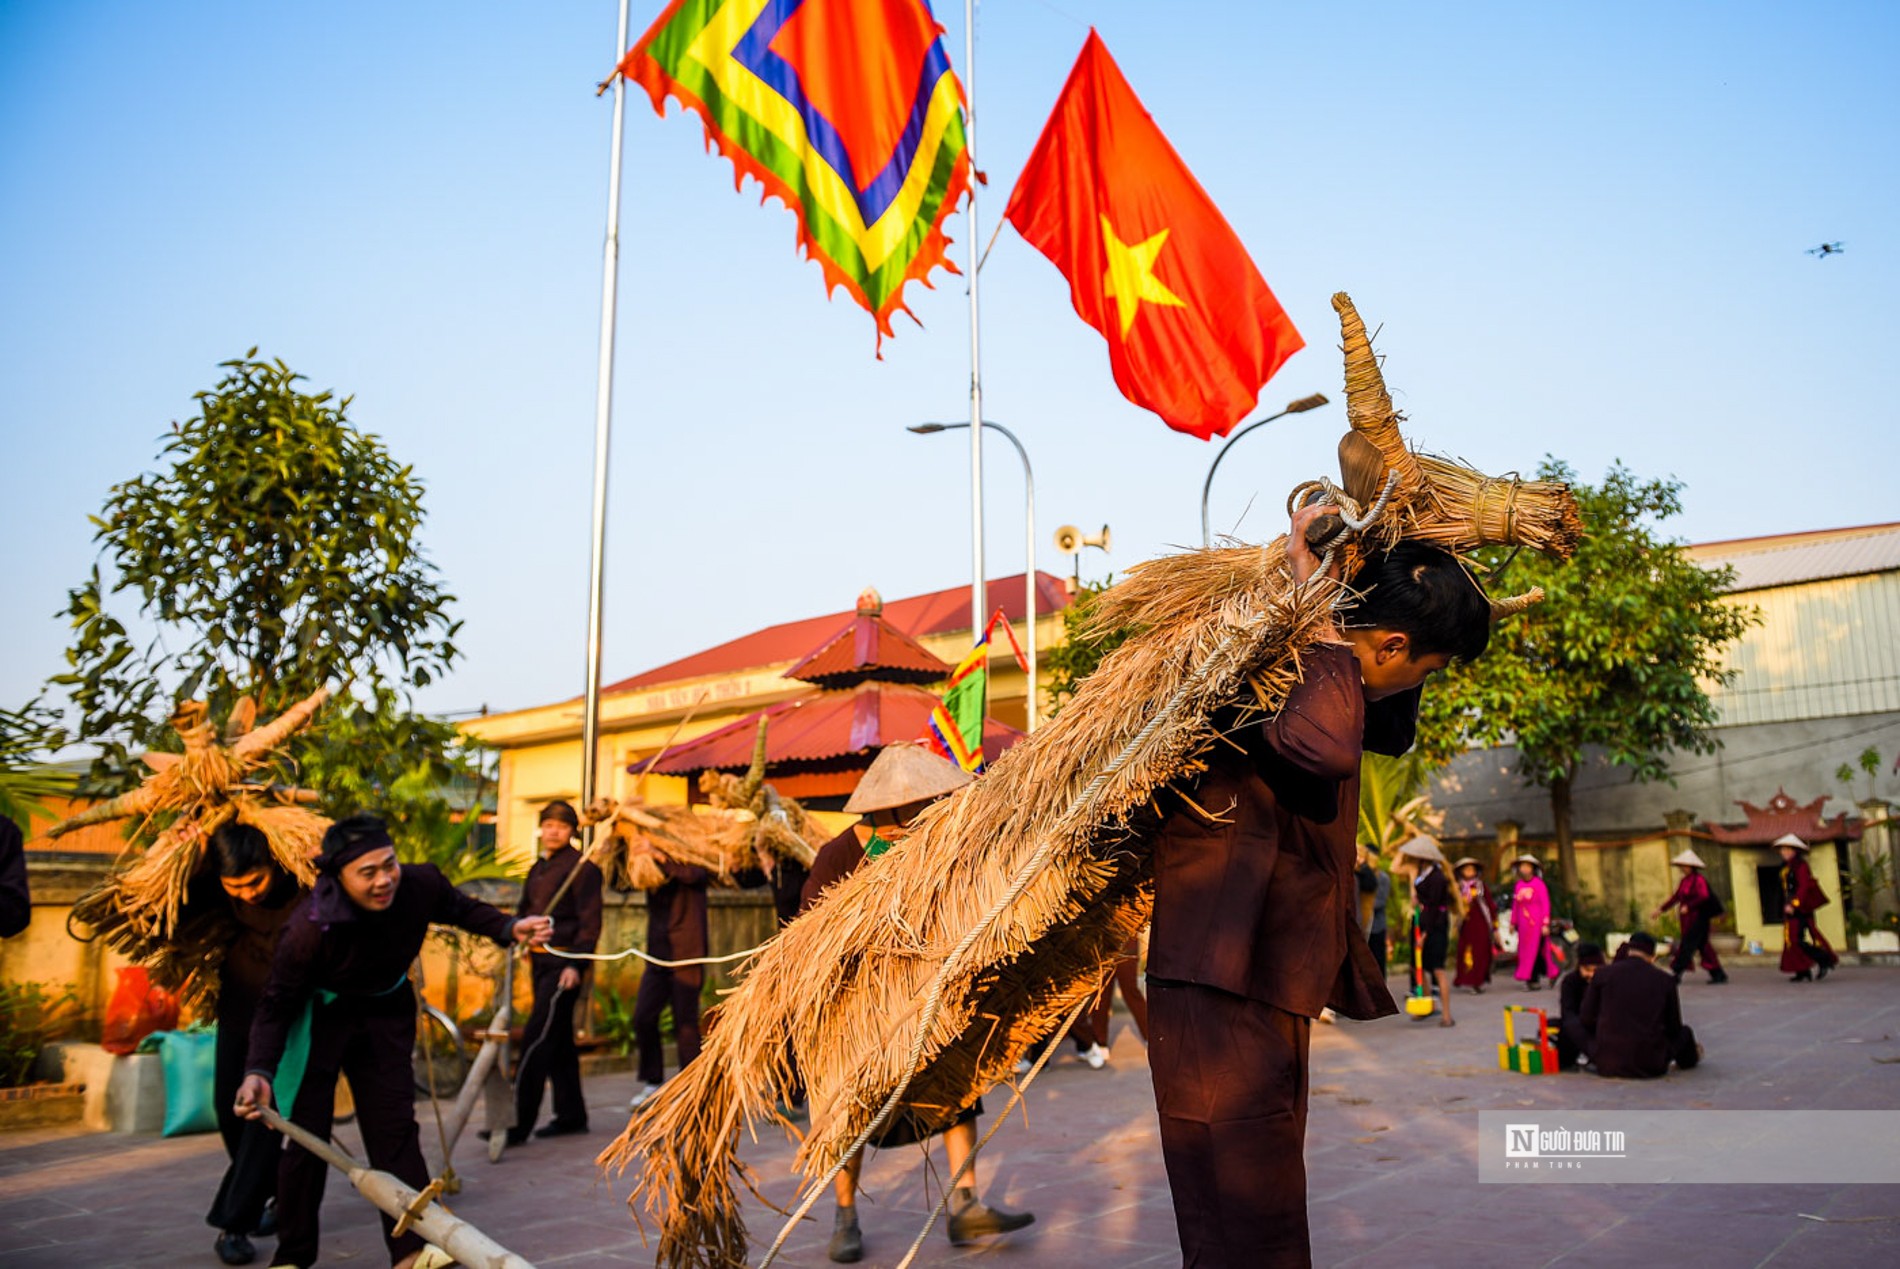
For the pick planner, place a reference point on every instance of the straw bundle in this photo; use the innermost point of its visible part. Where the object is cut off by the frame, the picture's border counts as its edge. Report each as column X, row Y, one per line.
column 1009, row 902
column 746, row 815
column 138, row 908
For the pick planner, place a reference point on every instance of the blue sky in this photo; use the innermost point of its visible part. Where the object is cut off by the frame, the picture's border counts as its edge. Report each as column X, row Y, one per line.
column 1580, row 226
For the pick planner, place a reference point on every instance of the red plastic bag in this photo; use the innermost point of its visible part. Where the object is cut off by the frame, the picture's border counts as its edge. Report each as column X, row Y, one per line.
column 136, row 1010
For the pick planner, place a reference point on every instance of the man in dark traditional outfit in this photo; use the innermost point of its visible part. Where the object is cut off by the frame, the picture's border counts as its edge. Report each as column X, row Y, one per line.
column 343, row 961
column 676, row 931
column 1633, row 1013
column 899, row 784
column 551, row 1055
column 1254, row 889
column 1805, row 952
column 1696, row 906
column 249, row 898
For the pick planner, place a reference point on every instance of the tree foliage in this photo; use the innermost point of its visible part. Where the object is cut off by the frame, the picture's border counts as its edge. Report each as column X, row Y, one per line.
column 27, row 736
column 275, row 551
column 1064, row 666
column 1617, row 661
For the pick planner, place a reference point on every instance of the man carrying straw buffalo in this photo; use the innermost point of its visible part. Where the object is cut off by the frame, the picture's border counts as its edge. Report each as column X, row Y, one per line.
column 1254, row 894
column 341, row 976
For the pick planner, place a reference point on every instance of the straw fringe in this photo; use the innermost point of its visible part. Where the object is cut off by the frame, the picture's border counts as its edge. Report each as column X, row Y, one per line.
column 1043, row 867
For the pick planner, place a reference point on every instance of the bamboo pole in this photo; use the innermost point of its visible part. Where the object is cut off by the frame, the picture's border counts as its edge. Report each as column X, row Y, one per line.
column 410, row 1208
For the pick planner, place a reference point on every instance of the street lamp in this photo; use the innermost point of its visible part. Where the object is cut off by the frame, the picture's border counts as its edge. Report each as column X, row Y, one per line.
column 1301, row 406
column 1029, row 544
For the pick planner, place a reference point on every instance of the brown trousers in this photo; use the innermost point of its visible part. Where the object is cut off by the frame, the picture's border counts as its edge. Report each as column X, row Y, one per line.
column 1230, row 1085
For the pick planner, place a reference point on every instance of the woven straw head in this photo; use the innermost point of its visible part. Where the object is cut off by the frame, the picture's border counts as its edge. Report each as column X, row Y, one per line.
column 903, row 774
column 1688, row 859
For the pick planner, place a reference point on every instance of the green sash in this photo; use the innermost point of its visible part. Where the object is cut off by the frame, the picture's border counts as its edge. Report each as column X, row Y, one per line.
column 876, row 846
column 292, row 1067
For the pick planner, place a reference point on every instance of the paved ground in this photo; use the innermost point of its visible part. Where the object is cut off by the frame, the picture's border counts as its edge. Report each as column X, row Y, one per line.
column 1391, row 1154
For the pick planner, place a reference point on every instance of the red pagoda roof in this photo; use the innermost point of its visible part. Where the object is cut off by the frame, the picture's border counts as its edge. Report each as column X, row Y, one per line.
column 1783, row 815
column 869, row 647
column 918, row 616
column 851, row 723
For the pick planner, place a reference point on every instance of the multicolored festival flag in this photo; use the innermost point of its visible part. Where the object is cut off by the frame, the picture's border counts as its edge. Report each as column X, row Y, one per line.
column 955, row 729
column 1193, row 332
column 846, row 111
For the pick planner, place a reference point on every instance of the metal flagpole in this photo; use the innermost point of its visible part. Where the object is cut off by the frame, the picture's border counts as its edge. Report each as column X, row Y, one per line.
column 979, row 599
column 603, row 429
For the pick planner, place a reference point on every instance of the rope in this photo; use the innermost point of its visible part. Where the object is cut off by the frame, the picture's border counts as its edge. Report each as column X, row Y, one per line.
column 547, row 1029
column 651, row 960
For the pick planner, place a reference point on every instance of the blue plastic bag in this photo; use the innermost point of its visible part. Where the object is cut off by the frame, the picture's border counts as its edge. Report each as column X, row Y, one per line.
column 190, row 1061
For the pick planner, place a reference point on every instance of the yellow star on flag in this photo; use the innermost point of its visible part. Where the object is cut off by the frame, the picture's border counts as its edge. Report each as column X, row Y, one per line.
column 1130, row 276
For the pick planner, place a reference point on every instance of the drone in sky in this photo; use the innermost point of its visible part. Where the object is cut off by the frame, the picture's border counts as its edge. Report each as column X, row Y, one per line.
column 1827, row 249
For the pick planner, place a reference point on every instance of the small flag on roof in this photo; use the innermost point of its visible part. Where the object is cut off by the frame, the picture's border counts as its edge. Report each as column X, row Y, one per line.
column 956, row 725
column 846, row 111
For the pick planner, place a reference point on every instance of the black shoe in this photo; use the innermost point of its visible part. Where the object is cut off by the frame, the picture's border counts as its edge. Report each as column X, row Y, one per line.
column 1717, row 977
column 563, row 1128
column 1822, row 972
column 516, row 1136
column 1678, row 974
column 971, row 1219
column 1803, row 977
column 267, row 1227
column 234, row 1248
column 847, row 1244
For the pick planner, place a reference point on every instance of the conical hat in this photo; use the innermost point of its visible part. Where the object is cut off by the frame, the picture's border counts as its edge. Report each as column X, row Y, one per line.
column 1689, row 859
column 903, row 774
column 1467, row 860
column 1789, row 839
column 1532, row 860
column 1424, row 846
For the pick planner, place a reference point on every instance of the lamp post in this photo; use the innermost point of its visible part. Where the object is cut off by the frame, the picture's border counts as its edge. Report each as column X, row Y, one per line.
column 1029, row 547
column 1293, row 407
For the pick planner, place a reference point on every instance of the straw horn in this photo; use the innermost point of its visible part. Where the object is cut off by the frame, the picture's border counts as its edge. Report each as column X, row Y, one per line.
column 1515, row 604
column 254, row 744
column 1368, row 404
column 755, row 775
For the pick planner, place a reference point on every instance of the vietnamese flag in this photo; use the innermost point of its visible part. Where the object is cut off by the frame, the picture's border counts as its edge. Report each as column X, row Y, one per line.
column 1193, row 332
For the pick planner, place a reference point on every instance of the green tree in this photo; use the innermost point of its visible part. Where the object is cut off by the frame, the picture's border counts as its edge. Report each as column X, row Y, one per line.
column 26, row 736
column 1064, row 666
column 275, row 551
column 1617, row 661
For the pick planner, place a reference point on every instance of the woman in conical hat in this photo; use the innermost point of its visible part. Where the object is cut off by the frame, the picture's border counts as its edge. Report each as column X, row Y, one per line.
column 1805, row 952
column 1697, row 906
column 1478, row 929
column 1530, row 917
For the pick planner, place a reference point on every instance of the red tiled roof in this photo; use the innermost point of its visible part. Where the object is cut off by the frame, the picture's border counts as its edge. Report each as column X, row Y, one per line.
column 869, row 647
column 821, row 726
column 1782, row 816
column 919, row 616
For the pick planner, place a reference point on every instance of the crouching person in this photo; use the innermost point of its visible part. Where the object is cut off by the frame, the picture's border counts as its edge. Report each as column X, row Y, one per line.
column 1633, row 1013
column 341, row 977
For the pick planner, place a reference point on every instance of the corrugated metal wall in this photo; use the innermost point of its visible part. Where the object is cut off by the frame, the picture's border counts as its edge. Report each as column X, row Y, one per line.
column 1824, row 649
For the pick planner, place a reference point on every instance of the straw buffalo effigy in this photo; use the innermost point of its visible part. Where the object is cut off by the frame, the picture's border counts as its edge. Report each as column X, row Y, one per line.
column 745, row 816
column 924, row 979
column 139, row 909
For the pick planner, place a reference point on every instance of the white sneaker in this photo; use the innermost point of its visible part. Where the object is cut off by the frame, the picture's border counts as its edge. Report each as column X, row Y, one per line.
column 643, row 1096
column 1327, row 1015
column 1022, row 1067
column 1096, row 1056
